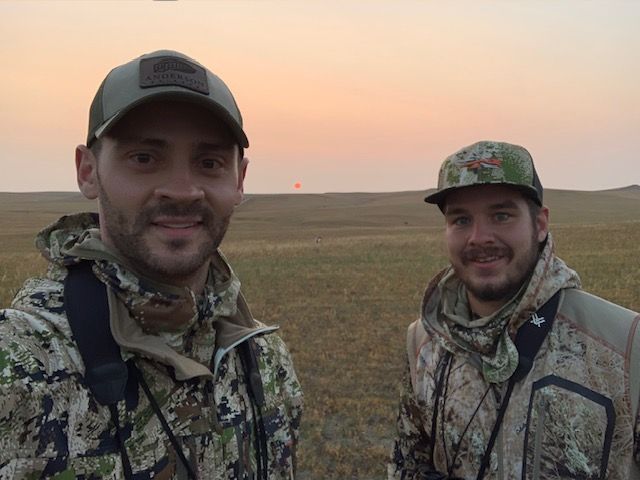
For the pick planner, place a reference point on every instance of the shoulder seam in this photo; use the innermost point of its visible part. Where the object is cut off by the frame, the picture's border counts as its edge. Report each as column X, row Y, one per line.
column 628, row 365
column 586, row 332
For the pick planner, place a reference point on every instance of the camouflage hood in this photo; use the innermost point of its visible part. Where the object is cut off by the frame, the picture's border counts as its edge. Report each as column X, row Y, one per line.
column 445, row 313
column 168, row 323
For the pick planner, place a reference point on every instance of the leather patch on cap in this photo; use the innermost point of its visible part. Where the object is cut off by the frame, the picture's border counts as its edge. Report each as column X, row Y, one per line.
column 176, row 71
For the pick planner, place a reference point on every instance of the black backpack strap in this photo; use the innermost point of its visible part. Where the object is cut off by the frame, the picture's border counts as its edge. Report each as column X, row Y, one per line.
column 530, row 336
column 528, row 341
column 85, row 299
column 106, row 374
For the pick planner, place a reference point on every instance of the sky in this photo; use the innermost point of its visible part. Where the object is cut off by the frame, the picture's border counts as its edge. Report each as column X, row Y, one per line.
column 343, row 96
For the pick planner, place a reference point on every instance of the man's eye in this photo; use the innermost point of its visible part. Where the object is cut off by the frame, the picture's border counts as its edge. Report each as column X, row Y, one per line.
column 142, row 158
column 461, row 221
column 211, row 163
column 502, row 217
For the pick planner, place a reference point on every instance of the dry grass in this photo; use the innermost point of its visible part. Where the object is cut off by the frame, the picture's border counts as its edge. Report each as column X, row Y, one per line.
column 14, row 269
column 343, row 307
column 344, row 304
column 607, row 257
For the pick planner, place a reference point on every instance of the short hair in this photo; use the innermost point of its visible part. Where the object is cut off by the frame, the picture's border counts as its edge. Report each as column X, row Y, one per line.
column 534, row 211
column 534, row 208
column 96, row 147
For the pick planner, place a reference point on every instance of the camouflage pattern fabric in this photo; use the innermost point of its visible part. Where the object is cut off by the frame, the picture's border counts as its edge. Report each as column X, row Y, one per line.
column 573, row 416
column 52, row 427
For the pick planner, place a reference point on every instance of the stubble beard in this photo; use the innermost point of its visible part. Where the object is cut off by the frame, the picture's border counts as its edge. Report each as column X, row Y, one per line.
column 516, row 274
column 128, row 237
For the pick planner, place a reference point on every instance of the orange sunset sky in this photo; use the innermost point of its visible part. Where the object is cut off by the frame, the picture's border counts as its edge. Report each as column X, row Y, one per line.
column 344, row 95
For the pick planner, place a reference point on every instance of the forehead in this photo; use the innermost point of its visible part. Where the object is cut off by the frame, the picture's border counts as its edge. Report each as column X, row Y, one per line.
column 483, row 196
column 171, row 119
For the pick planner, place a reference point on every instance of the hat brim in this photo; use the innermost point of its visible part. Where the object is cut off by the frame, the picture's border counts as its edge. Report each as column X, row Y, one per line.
column 438, row 198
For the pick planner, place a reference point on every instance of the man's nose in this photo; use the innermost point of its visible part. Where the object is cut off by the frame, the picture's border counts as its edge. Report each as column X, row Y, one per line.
column 481, row 233
column 180, row 184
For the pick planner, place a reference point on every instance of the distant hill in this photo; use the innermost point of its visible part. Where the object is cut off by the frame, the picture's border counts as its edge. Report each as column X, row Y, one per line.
column 26, row 213
column 401, row 209
column 633, row 191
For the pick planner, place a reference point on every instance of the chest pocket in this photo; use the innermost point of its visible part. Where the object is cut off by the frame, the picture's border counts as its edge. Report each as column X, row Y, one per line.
column 569, row 431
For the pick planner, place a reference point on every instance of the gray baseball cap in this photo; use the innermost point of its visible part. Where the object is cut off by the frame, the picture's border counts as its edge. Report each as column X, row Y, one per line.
column 163, row 74
column 484, row 163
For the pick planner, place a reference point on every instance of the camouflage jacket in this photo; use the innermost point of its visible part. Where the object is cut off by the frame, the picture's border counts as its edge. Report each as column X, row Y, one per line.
column 575, row 415
column 52, row 427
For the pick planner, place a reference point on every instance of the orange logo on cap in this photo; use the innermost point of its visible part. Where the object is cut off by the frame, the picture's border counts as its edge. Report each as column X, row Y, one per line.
column 475, row 165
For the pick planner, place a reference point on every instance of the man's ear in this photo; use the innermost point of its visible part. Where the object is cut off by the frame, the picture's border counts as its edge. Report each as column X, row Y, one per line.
column 542, row 222
column 242, row 173
column 87, row 172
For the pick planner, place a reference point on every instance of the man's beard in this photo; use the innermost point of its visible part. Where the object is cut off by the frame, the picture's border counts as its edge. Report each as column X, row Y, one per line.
column 129, row 239
column 506, row 289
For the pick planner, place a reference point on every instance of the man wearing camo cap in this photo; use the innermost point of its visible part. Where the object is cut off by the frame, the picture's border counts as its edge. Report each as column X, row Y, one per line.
column 513, row 371
column 136, row 356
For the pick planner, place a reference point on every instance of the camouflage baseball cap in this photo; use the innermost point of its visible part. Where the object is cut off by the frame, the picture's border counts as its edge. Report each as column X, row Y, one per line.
column 160, row 75
column 488, row 163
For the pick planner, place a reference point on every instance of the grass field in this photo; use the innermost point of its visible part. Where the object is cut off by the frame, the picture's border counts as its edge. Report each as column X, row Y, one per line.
column 343, row 304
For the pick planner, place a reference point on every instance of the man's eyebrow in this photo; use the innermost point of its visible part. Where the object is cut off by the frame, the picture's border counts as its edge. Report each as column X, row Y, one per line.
column 209, row 146
column 147, row 141
column 454, row 211
column 507, row 204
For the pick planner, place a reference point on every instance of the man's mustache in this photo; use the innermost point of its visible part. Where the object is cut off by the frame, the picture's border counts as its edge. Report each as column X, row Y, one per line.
column 177, row 209
column 483, row 252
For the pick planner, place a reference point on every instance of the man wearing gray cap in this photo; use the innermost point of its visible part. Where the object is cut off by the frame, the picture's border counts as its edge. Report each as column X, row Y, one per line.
column 513, row 371
column 136, row 356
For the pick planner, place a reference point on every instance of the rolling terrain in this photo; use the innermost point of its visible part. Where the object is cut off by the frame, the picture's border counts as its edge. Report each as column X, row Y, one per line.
column 301, row 215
